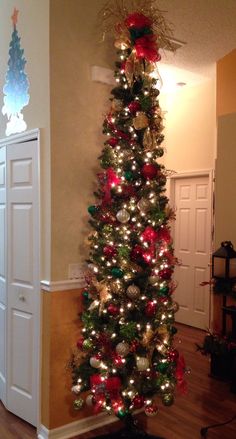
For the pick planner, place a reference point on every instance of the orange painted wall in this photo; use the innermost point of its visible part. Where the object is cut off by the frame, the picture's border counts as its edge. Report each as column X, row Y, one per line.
column 226, row 84
column 60, row 331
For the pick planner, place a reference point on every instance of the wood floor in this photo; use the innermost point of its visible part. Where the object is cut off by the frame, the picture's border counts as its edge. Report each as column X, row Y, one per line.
column 208, row 401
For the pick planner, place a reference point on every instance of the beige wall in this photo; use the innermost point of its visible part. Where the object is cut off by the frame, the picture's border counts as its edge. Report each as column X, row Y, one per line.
column 226, row 152
column 77, row 109
column 33, row 28
column 226, row 84
column 190, row 133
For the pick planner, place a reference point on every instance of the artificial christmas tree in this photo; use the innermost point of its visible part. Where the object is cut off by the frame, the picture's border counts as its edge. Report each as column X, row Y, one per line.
column 126, row 358
column 17, row 84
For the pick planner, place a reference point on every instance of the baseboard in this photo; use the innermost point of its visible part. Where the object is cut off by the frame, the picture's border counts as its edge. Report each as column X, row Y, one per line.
column 76, row 428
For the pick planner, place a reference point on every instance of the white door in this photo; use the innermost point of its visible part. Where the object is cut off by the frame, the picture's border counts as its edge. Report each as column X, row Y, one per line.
column 23, row 280
column 3, row 276
column 192, row 241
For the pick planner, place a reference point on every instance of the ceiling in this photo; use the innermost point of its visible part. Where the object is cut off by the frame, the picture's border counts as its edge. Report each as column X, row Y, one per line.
column 208, row 27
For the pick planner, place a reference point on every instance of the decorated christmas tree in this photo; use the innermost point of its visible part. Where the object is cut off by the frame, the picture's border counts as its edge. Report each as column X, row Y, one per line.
column 17, row 84
column 126, row 358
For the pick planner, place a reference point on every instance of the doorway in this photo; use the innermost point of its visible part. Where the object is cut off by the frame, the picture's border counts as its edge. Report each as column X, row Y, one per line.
column 20, row 275
column 191, row 197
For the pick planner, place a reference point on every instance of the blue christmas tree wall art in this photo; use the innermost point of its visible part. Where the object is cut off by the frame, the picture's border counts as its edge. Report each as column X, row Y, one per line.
column 16, row 87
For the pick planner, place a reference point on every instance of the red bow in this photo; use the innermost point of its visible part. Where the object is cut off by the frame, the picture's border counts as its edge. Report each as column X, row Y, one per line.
column 137, row 20
column 111, row 181
column 103, row 388
column 146, row 47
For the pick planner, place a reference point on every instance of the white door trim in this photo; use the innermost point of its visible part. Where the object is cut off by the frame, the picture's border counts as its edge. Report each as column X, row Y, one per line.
column 20, row 138
column 210, row 173
column 14, row 139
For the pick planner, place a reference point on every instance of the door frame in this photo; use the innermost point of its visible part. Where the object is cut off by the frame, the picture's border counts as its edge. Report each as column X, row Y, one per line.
column 32, row 135
column 210, row 173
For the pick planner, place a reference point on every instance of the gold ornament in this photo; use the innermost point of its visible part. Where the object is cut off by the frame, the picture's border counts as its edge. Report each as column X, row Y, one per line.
column 133, row 292
column 150, row 139
column 133, row 68
column 140, row 121
column 103, row 292
column 122, row 43
column 142, row 363
column 117, row 105
column 144, row 205
column 122, row 349
column 116, row 287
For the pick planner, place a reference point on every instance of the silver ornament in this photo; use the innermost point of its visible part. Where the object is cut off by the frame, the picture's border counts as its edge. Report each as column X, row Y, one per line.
column 76, row 389
column 95, row 362
column 144, row 205
column 133, row 292
column 122, row 349
column 142, row 363
column 89, row 400
column 123, row 216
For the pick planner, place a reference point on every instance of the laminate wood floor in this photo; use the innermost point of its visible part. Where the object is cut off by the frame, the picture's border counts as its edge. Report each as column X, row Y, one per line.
column 208, row 401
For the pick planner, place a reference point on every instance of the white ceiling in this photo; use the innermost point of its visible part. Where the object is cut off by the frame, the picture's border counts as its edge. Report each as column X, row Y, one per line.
column 209, row 29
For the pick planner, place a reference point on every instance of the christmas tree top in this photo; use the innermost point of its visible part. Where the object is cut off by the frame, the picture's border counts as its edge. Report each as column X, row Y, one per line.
column 126, row 358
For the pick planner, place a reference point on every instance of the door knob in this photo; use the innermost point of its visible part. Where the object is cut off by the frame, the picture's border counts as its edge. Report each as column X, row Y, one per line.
column 22, row 297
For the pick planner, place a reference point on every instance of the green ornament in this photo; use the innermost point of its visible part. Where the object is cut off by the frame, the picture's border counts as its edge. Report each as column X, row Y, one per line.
column 163, row 291
column 122, row 413
column 168, row 399
column 85, row 295
column 87, row 344
column 162, row 367
column 92, row 210
column 123, row 252
column 117, row 272
column 129, row 175
column 78, row 404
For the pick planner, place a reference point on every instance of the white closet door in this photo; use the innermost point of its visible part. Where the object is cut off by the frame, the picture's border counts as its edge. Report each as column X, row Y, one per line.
column 23, row 279
column 192, row 241
column 3, row 275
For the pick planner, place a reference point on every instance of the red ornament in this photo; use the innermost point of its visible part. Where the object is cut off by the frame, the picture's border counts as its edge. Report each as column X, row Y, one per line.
column 80, row 343
column 149, row 171
column 150, row 309
column 128, row 191
column 165, row 274
column 136, row 254
column 138, row 401
column 113, row 309
column 138, row 21
column 134, row 345
column 149, row 234
column 134, row 106
column 173, row 355
column 118, row 360
column 151, row 410
column 109, row 251
column 113, row 141
column 148, row 255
